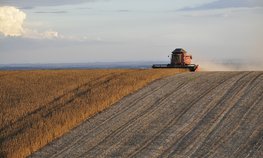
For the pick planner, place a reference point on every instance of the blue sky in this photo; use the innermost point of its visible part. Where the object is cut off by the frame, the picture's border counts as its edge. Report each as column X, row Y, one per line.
column 66, row 31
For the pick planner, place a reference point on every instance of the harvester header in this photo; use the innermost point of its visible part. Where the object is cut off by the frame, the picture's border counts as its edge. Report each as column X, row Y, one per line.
column 179, row 59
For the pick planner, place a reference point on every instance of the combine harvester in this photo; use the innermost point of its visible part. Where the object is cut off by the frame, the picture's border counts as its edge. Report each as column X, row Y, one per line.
column 179, row 59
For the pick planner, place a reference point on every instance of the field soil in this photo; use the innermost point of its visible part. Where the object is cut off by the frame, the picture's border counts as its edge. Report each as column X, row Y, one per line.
column 206, row 114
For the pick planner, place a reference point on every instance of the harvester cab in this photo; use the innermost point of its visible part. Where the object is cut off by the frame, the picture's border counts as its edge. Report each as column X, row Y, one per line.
column 179, row 59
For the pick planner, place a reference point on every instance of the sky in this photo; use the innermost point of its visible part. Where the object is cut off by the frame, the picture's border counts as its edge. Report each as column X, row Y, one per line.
column 82, row 31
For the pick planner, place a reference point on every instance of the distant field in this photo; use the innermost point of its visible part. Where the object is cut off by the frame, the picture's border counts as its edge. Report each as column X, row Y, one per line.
column 40, row 106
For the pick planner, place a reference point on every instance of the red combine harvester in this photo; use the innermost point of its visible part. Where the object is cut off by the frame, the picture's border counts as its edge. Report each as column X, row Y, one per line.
column 179, row 59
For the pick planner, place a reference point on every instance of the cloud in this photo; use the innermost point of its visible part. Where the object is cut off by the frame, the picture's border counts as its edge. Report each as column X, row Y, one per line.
column 51, row 12
column 123, row 11
column 11, row 24
column 220, row 4
column 34, row 34
column 26, row 8
column 11, row 21
column 29, row 4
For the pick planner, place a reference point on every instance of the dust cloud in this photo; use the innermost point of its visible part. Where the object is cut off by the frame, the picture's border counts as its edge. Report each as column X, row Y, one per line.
column 230, row 66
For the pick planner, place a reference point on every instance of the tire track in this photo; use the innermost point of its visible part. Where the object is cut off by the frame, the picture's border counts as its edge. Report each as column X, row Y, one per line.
column 253, row 136
column 217, row 118
column 235, row 124
column 121, row 112
column 160, row 120
column 82, row 144
column 131, row 122
column 173, row 147
column 146, row 144
column 143, row 113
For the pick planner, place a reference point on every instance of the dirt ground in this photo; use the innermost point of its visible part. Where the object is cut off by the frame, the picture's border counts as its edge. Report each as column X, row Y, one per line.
column 206, row 114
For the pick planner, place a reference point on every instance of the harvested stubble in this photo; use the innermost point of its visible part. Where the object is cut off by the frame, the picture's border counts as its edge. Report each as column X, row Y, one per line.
column 40, row 106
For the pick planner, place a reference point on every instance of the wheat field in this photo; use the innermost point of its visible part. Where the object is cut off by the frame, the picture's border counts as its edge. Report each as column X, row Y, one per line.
column 41, row 105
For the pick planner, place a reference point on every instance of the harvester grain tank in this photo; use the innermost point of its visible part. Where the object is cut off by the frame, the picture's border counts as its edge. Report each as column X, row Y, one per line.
column 179, row 59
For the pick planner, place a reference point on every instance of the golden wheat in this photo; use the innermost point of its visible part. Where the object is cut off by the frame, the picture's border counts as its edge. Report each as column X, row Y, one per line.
column 40, row 106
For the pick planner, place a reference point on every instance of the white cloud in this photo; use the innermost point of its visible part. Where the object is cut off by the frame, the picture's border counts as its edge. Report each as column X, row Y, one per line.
column 34, row 34
column 11, row 24
column 29, row 4
column 11, row 21
column 220, row 4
